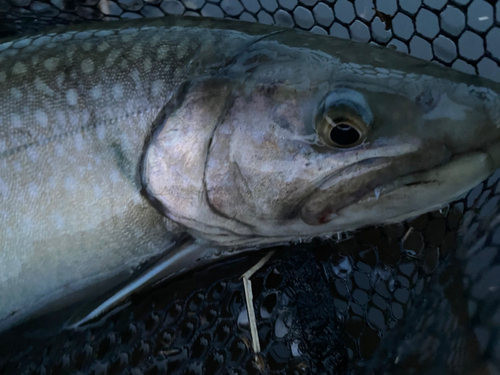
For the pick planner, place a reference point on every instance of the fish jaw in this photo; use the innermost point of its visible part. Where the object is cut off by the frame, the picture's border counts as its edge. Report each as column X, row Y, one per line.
column 413, row 194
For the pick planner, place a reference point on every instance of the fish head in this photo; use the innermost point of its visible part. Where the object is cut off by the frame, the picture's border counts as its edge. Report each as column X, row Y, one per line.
column 289, row 144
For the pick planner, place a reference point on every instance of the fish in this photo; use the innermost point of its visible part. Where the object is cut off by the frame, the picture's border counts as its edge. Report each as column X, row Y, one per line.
column 116, row 139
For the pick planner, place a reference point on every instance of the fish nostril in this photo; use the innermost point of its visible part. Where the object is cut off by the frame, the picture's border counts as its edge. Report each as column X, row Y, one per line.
column 428, row 100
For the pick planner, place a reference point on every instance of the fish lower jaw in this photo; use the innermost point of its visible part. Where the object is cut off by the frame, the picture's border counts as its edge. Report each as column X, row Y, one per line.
column 416, row 193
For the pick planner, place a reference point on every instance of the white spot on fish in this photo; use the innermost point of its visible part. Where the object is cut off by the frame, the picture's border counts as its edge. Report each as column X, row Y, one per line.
column 17, row 166
column 125, row 141
column 73, row 118
column 70, row 183
column 97, row 192
column 101, row 132
column 16, row 93
column 78, row 141
column 377, row 192
column 136, row 51
column 127, row 38
column 114, row 176
column 42, row 87
column 96, row 92
column 382, row 70
column 128, row 34
column 59, row 150
column 87, row 66
column 87, row 46
column 35, row 59
column 33, row 190
column 61, row 117
column 84, row 117
column 103, row 47
column 156, row 87
column 71, row 97
column 113, row 55
column 82, row 172
column 19, row 68
column 117, row 91
column 15, row 120
column 147, row 64
column 138, row 232
column 70, row 50
column 28, row 223
column 124, row 64
column 163, row 52
column 58, row 220
column 136, row 77
column 60, row 79
column 51, row 63
column 182, row 51
column 32, row 153
column 41, row 118
column 3, row 76
column 154, row 40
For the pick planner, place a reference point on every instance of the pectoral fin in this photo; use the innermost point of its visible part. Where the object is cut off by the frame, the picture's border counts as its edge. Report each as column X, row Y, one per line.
column 188, row 255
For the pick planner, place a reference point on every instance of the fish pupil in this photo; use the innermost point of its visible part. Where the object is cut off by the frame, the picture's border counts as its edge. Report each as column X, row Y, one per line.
column 344, row 135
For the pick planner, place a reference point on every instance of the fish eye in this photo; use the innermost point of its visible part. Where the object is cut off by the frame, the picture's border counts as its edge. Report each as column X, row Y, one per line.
column 344, row 119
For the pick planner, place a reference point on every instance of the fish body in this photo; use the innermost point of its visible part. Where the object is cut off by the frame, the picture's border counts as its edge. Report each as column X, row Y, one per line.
column 111, row 132
column 76, row 110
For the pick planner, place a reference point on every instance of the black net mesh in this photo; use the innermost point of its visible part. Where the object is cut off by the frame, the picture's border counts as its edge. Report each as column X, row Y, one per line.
column 421, row 297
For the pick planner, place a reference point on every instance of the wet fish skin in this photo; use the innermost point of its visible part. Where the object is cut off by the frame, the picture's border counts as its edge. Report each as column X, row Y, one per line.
column 77, row 110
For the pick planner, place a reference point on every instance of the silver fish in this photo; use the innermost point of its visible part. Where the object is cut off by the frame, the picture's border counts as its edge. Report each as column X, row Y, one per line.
column 116, row 137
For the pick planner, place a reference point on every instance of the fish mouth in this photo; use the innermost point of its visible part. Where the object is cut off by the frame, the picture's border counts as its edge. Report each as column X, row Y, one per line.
column 386, row 199
column 343, row 188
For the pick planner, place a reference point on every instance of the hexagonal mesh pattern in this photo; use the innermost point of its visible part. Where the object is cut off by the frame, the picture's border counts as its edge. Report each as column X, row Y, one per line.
column 413, row 298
